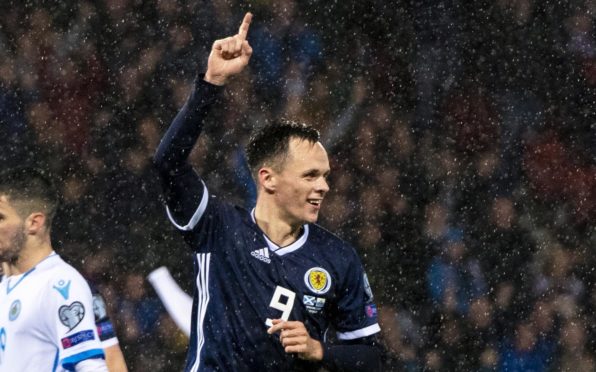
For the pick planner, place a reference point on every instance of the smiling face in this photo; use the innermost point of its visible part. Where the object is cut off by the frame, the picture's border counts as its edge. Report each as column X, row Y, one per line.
column 301, row 183
column 12, row 231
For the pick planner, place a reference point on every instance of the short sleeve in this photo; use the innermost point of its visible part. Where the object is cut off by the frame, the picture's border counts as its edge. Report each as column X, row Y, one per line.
column 103, row 324
column 356, row 311
column 195, row 213
column 71, row 321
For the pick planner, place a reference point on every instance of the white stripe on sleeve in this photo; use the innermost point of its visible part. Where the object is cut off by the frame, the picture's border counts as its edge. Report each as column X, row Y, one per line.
column 363, row 332
column 196, row 216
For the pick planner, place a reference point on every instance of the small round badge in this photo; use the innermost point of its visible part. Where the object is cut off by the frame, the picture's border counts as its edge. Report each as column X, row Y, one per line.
column 15, row 310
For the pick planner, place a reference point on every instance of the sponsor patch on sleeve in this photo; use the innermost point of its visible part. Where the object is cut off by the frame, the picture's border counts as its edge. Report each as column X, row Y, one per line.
column 105, row 330
column 371, row 310
column 77, row 338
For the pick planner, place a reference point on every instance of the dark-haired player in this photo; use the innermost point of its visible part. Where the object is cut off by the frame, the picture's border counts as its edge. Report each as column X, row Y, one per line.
column 46, row 311
column 269, row 282
column 105, row 329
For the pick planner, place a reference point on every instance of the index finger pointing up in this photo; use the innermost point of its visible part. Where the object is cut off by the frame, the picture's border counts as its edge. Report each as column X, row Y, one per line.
column 243, row 30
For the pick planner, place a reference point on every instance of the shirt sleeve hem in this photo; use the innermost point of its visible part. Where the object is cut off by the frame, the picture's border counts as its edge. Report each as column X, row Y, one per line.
column 70, row 362
column 196, row 216
column 359, row 333
column 109, row 342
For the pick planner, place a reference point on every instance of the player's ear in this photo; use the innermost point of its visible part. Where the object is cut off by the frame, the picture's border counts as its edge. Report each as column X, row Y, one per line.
column 35, row 223
column 267, row 179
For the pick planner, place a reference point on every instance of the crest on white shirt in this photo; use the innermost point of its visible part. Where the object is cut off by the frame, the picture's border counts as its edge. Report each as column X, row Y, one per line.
column 15, row 310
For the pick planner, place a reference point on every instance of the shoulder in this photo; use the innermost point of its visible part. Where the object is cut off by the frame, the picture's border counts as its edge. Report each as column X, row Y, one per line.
column 223, row 210
column 329, row 242
column 63, row 281
column 340, row 256
column 216, row 205
column 56, row 267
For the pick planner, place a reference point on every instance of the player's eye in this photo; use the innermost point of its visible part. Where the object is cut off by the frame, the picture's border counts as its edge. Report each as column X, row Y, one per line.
column 310, row 176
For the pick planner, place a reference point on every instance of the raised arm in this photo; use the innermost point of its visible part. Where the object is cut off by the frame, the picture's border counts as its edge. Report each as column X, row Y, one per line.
column 183, row 187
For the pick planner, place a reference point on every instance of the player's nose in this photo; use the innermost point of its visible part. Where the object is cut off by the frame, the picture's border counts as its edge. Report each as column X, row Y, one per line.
column 322, row 186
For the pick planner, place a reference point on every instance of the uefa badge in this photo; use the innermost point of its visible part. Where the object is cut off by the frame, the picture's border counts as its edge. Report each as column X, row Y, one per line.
column 72, row 314
column 318, row 280
column 15, row 310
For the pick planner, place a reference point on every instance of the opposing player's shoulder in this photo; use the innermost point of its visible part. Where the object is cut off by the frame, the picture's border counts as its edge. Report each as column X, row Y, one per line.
column 60, row 268
column 62, row 280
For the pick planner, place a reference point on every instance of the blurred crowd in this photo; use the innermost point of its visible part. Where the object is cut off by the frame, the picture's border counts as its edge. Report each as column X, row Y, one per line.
column 462, row 138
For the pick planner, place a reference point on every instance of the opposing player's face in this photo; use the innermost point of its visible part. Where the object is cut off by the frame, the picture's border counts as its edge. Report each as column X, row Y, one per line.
column 302, row 184
column 12, row 231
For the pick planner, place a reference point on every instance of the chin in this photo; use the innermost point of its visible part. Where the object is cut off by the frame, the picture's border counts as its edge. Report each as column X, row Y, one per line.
column 312, row 218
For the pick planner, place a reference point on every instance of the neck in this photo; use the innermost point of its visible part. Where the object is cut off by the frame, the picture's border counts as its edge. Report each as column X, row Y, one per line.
column 32, row 254
column 275, row 227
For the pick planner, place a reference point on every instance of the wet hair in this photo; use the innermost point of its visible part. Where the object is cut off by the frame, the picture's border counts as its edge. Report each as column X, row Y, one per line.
column 269, row 145
column 29, row 190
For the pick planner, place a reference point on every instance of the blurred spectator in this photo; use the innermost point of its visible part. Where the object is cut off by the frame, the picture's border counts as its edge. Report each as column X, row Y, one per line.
column 454, row 278
column 526, row 351
column 504, row 249
column 574, row 355
column 481, row 337
column 402, row 339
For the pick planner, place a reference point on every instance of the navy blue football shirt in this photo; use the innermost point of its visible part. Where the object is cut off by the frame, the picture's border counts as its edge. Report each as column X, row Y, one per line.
column 244, row 280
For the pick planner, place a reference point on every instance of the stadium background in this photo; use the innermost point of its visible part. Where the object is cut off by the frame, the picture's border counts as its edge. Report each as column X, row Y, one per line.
column 462, row 138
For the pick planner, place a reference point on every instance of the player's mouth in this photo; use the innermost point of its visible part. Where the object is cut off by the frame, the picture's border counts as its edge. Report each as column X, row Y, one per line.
column 315, row 202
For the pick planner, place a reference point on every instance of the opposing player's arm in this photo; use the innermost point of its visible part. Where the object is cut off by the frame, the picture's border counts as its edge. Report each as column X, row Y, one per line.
column 115, row 359
column 71, row 323
column 107, row 333
column 183, row 187
column 91, row 365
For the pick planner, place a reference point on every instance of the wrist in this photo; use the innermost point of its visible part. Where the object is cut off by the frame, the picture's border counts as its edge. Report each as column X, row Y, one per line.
column 318, row 351
column 214, row 79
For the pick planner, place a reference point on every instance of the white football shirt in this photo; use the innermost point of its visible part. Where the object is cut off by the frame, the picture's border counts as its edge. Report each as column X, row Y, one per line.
column 46, row 319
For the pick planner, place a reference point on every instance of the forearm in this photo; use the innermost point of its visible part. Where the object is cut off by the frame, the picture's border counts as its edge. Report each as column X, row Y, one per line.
column 354, row 357
column 180, row 138
column 115, row 359
column 183, row 188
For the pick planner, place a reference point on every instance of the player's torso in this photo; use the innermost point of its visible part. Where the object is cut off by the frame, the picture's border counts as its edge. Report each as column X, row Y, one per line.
column 250, row 281
column 24, row 342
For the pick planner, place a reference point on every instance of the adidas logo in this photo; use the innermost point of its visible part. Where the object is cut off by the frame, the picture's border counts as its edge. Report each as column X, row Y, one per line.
column 261, row 254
